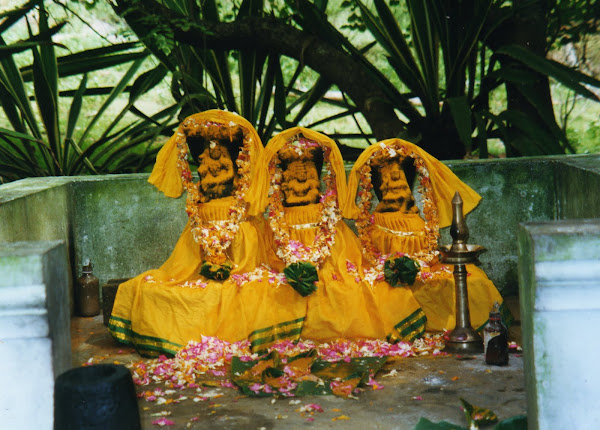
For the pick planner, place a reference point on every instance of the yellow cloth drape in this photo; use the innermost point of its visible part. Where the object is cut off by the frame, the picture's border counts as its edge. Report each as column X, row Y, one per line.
column 166, row 176
column 444, row 182
column 160, row 310
column 436, row 295
column 399, row 232
column 411, row 227
column 344, row 306
column 262, row 180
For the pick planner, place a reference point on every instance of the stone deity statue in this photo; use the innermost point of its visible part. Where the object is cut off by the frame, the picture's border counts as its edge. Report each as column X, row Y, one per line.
column 397, row 228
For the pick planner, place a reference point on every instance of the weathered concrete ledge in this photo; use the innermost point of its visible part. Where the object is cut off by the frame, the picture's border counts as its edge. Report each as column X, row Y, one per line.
column 559, row 269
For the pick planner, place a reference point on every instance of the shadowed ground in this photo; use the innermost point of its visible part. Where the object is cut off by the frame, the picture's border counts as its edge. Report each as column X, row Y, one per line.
column 429, row 387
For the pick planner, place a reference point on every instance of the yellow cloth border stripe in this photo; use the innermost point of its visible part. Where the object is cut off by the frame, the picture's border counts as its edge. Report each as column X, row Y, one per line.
column 271, row 328
column 279, row 333
column 126, row 324
column 410, row 328
column 154, row 350
column 266, row 336
column 264, row 344
column 120, row 329
column 415, row 330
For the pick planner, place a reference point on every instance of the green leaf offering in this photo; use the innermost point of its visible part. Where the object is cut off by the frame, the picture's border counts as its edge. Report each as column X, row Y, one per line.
column 218, row 272
column 400, row 271
column 302, row 277
column 477, row 416
column 302, row 375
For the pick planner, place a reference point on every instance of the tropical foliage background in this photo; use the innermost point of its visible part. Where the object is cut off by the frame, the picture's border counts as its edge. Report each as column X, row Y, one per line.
column 96, row 86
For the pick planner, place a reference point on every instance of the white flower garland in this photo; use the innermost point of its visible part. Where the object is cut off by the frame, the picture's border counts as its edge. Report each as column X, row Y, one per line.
column 214, row 237
column 365, row 222
column 293, row 251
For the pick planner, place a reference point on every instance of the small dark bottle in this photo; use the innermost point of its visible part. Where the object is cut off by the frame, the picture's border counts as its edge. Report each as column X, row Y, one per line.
column 88, row 293
column 495, row 339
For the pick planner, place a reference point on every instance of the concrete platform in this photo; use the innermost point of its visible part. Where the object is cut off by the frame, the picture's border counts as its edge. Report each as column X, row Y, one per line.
column 429, row 387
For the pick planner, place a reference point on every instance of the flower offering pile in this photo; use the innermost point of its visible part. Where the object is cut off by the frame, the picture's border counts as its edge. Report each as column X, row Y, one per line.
column 342, row 368
column 303, row 374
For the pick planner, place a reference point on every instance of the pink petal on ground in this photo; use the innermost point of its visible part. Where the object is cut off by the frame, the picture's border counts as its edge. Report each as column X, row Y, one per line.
column 256, row 387
column 313, row 407
column 163, row 422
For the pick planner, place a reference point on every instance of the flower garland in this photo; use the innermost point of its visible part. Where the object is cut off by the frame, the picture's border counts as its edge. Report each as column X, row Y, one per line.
column 214, row 237
column 365, row 223
column 293, row 251
column 259, row 274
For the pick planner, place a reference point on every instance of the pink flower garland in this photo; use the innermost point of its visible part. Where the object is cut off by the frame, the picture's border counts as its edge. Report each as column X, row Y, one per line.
column 365, row 224
column 214, row 238
column 293, row 251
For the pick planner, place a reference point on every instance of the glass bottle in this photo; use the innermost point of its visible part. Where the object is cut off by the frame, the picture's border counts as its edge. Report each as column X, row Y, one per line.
column 495, row 339
column 88, row 292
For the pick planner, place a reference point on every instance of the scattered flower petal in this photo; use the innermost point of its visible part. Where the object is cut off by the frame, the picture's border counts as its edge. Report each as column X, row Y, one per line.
column 163, row 422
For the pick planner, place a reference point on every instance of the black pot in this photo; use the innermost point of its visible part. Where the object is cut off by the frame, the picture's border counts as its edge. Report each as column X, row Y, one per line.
column 99, row 397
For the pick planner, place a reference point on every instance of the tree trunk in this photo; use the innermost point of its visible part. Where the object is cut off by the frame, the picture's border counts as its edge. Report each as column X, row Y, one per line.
column 527, row 28
column 276, row 37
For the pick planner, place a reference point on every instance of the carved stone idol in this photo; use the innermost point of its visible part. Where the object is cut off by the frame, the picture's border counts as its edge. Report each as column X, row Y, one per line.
column 391, row 185
column 301, row 178
column 215, row 147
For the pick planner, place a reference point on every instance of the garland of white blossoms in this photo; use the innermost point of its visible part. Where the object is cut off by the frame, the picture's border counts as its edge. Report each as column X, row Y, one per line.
column 214, row 237
column 365, row 222
column 293, row 251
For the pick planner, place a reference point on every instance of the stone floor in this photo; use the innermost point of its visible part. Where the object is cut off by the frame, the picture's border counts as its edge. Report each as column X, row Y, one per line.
column 429, row 387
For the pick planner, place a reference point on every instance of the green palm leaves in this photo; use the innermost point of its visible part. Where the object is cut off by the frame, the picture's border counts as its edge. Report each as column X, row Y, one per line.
column 42, row 141
column 448, row 64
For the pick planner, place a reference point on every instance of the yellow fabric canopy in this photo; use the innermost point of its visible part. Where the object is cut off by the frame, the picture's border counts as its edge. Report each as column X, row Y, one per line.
column 262, row 180
column 343, row 306
column 166, row 175
column 162, row 309
column 444, row 183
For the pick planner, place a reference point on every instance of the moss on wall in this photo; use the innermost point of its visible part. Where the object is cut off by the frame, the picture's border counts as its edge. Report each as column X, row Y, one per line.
column 123, row 224
column 578, row 188
column 513, row 191
column 37, row 209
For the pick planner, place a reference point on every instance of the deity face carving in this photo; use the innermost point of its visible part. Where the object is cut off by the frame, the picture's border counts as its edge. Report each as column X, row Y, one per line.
column 217, row 173
column 300, row 184
column 393, row 190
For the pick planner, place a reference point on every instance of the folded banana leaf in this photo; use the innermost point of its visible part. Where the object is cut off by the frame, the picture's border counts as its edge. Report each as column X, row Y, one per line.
column 400, row 271
column 302, row 374
column 302, row 277
column 218, row 272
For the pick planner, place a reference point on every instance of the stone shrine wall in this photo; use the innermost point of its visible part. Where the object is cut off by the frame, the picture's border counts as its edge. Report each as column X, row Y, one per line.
column 125, row 226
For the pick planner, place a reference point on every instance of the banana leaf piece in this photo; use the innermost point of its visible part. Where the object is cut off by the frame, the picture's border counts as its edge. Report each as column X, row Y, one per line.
column 218, row 272
column 302, row 277
column 302, row 374
column 476, row 415
column 400, row 271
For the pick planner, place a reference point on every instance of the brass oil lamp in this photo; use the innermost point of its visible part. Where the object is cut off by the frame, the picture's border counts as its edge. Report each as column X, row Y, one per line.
column 463, row 339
